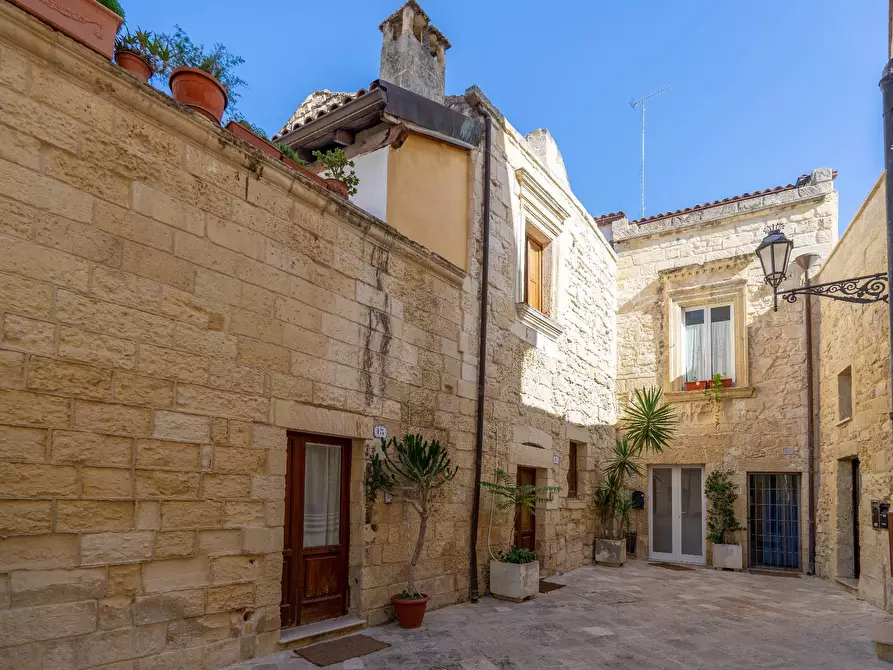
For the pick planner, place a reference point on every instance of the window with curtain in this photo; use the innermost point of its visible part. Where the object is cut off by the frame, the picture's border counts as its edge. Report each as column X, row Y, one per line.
column 322, row 495
column 708, row 344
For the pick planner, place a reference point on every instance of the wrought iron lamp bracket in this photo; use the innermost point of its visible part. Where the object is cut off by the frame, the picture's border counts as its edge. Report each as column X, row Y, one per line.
column 861, row 290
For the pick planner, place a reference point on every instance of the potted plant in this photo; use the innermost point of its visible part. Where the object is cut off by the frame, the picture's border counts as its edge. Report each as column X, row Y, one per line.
column 93, row 24
column 203, row 79
column 721, row 520
column 290, row 157
column 254, row 135
column 648, row 426
column 411, row 470
column 142, row 53
column 515, row 573
column 338, row 179
column 695, row 386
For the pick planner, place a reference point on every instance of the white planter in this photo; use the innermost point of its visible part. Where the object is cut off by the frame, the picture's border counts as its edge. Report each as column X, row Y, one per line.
column 610, row 552
column 513, row 581
column 727, row 556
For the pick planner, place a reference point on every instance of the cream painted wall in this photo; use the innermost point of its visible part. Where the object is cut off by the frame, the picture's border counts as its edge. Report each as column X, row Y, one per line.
column 372, row 191
column 428, row 196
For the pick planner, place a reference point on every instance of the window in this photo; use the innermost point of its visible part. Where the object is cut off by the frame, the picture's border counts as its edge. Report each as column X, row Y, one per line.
column 533, row 271
column 572, row 471
column 845, row 395
column 708, row 343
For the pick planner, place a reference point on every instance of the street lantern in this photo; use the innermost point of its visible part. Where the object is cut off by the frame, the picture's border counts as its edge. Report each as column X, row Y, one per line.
column 774, row 253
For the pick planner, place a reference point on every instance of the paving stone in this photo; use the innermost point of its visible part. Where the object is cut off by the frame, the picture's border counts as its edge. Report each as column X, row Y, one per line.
column 636, row 617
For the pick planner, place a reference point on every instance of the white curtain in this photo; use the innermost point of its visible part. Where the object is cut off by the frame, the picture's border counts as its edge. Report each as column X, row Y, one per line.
column 694, row 346
column 721, row 341
column 322, row 495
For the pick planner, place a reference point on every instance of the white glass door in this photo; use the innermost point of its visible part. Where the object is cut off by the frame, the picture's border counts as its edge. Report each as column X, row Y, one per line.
column 677, row 516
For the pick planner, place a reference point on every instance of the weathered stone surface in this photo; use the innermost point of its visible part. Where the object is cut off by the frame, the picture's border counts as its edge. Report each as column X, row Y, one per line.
column 46, row 622
column 29, row 587
column 176, row 574
column 180, row 427
column 112, row 419
column 94, row 515
column 25, row 517
column 105, row 548
column 91, row 448
column 22, row 444
column 168, row 606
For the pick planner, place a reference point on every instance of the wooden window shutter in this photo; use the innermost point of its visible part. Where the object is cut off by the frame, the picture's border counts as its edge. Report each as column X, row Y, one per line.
column 534, row 272
column 572, row 471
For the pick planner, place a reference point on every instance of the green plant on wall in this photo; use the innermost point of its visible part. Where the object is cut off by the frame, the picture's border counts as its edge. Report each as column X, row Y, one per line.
column 714, row 394
column 511, row 495
column 335, row 162
column 152, row 48
column 411, row 470
column 291, row 153
column 648, row 425
column 114, row 5
column 721, row 520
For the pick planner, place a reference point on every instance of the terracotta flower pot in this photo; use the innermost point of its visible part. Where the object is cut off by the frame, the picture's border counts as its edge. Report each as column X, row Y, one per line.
column 410, row 611
column 338, row 187
column 695, row 386
column 86, row 21
column 134, row 64
column 199, row 90
column 244, row 133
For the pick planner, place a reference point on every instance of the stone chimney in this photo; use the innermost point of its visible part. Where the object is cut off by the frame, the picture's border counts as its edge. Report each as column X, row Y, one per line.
column 412, row 52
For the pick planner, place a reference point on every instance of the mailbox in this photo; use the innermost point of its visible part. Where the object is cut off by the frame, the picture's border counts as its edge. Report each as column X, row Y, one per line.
column 638, row 500
column 879, row 511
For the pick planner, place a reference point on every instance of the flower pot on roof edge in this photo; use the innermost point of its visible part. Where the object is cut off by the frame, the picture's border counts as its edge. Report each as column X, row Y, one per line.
column 256, row 141
column 134, row 64
column 197, row 89
column 410, row 611
column 338, row 187
column 85, row 21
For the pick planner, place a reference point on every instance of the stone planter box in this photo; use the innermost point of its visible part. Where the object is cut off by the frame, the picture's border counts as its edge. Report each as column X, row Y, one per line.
column 514, row 581
column 610, row 552
column 727, row 556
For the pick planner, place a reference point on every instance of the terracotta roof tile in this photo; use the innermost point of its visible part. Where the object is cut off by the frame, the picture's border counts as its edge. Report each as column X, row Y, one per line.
column 318, row 104
column 604, row 219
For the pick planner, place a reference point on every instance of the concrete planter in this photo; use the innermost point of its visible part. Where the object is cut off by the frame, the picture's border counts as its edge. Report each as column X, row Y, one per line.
column 610, row 552
column 727, row 556
column 514, row 581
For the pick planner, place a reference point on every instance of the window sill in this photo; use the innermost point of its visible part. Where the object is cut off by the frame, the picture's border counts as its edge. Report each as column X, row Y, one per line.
column 727, row 393
column 541, row 323
column 844, row 421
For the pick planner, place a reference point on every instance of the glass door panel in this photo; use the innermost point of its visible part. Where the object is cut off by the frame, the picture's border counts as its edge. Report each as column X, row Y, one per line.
column 692, row 512
column 662, row 511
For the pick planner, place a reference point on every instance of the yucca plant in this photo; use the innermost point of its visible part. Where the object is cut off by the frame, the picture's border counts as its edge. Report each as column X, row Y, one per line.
column 410, row 470
column 511, row 495
column 649, row 425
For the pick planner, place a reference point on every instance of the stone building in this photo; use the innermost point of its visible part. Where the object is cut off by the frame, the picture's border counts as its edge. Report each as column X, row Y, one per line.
column 692, row 302
column 186, row 321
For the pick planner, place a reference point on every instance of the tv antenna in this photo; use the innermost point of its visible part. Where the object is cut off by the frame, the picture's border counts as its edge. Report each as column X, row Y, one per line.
column 641, row 103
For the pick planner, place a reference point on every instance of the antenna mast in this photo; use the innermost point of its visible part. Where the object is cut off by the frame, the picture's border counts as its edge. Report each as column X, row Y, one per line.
column 641, row 103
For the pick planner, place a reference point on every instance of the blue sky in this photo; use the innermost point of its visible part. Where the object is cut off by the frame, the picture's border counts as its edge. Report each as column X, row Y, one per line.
column 762, row 90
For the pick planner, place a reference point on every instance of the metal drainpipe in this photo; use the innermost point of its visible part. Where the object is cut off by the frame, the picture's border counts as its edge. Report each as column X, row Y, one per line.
column 804, row 262
column 886, row 85
column 482, row 355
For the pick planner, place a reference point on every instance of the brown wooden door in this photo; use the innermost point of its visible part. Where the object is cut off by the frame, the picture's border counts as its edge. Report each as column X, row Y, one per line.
column 525, row 523
column 533, row 293
column 314, row 568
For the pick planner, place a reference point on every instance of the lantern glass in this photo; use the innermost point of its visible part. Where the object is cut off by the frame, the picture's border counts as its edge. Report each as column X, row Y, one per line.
column 774, row 253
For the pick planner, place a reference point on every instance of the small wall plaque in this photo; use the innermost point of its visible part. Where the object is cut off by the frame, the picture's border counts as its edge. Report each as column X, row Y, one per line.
column 555, row 460
column 380, row 432
column 789, row 451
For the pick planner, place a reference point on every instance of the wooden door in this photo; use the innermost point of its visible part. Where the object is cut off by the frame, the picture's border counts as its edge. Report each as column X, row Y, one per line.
column 533, row 292
column 314, row 568
column 525, row 522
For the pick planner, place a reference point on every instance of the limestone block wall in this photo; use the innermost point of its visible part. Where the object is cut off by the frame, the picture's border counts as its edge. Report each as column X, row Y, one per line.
column 171, row 304
column 763, row 422
column 855, row 337
column 543, row 393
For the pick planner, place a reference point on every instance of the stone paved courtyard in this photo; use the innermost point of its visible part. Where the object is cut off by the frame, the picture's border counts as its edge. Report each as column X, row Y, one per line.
column 641, row 616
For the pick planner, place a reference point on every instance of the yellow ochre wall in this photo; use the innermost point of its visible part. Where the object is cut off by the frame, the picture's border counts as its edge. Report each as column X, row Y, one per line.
column 428, row 196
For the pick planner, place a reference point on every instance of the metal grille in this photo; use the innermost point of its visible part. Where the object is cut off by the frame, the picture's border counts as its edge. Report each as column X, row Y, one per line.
column 774, row 520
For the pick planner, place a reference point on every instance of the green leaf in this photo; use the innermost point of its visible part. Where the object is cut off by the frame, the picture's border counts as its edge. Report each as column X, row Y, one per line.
column 649, row 424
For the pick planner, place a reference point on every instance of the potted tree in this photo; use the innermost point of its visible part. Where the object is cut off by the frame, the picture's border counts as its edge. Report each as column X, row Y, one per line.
column 203, row 79
column 722, row 523
column 142, row 53
column 93, row 24
column 515, row 573
column 411, row 470
column 648, row 425
column 338, row 178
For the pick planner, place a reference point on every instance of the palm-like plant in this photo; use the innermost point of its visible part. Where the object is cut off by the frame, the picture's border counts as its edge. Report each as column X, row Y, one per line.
column 416, row 468
column 623, row 462
column 509, row 494
column 649, row 425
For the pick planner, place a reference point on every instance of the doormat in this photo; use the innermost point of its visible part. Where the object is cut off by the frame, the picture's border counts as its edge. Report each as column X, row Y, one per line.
column 775, row 573
column 673, row 566
column 336, row 651
column 545, row 587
